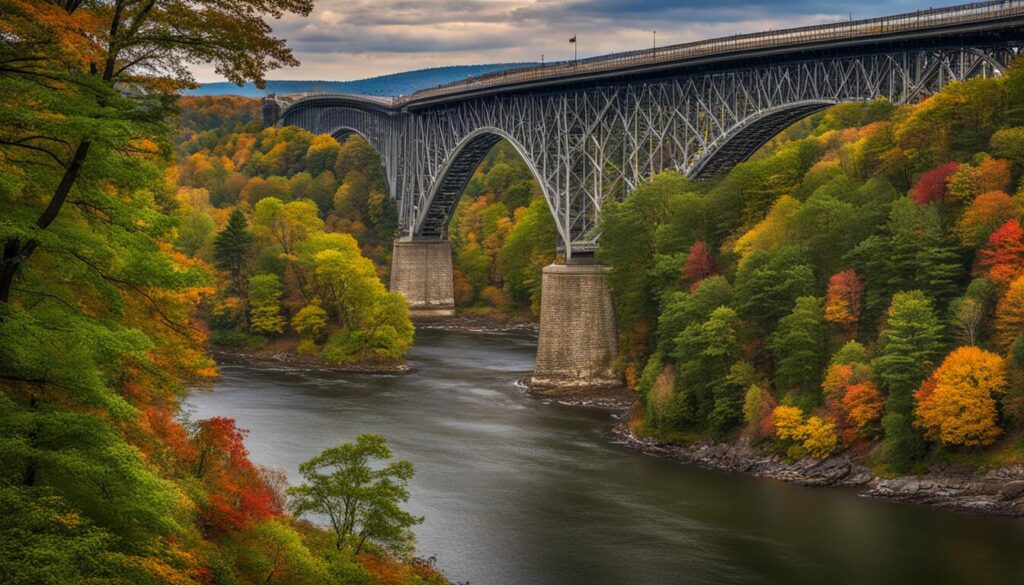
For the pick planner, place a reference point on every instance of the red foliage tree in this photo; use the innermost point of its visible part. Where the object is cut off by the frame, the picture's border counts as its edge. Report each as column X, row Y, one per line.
column 931, row 187
column 237, row 494
column 1003, row 256
column 699, row 263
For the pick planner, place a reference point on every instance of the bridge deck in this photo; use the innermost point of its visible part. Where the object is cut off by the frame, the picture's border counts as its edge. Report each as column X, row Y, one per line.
column 921, row 23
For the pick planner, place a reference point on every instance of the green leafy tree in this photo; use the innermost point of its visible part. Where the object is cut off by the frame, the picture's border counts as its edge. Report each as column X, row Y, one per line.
column 360, row 490
column 799, row 347
column 909, row 347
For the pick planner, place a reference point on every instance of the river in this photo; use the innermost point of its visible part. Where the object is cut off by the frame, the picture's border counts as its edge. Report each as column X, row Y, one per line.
column 522, row 491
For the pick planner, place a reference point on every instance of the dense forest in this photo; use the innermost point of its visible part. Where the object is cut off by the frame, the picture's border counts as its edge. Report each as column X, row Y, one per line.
column 103, row 479
column 857, row 285
column 298, row 252
column 261, row 204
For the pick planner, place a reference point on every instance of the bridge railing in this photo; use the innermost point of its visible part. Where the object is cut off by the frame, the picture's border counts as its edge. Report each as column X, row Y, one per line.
column 977, row 12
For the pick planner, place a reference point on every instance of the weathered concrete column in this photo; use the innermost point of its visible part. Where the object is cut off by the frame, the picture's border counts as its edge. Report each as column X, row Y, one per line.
column 422, row 272
column 577, row 328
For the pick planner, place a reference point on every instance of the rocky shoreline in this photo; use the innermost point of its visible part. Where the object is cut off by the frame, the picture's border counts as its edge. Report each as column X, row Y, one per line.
column 998, row 492
column 276, row 358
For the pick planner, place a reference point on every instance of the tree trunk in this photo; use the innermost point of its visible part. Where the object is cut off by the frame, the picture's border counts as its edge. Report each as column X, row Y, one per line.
column 17, row 252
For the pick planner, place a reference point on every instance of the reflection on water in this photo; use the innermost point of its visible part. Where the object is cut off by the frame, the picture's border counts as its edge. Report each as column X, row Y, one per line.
column 518, row 491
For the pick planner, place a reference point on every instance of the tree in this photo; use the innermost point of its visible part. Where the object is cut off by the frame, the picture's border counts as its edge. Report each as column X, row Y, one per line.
column 699, row 264
column 310, row 322
column 79, row 51
column 862, row 404
column 788, row 422
column 984, row 215
column 843, row 299
column 360, row 490
column 798, row 346
column 265, row 304
column 768, row 283
column 931, row 186
column 957, row 404
column 529, row 247
column 706, row 353
column 910, row 345
column 820, row 439
column 1003, row 256
column 1009, row 324
column 232, row 251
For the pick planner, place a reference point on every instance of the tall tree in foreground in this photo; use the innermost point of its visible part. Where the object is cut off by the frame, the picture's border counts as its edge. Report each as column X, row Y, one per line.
column 360, row 490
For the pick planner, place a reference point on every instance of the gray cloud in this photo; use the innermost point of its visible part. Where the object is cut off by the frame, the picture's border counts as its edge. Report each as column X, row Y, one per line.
column 350, row 39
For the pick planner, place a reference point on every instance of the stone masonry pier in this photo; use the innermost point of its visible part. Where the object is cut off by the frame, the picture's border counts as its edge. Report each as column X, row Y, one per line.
column 577, row 329
column 422, row 272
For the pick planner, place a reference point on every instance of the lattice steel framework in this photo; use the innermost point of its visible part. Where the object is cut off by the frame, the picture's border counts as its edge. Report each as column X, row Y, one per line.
column 587, row 143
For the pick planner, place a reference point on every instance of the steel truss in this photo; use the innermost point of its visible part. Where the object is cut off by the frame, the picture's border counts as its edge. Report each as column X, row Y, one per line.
column 589, row 144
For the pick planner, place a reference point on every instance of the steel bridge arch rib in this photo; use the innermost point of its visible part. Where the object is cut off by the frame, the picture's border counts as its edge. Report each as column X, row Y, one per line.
column 454, row 175
column 744, row 139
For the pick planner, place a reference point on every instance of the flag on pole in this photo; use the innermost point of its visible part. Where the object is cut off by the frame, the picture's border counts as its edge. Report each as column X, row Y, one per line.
column 573, row 39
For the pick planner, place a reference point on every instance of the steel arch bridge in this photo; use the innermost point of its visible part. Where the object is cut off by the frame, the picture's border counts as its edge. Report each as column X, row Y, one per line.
column 592, row 130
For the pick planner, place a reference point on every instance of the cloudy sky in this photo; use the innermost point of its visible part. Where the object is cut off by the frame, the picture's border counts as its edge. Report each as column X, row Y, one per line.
column 353, row 39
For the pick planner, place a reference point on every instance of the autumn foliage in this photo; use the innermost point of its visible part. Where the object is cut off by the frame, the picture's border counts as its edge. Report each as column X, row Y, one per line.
column 843, row 299
column 931, row 186
column 957, row 404
column 238, row 496
column 1003, row 255
column 699, row 264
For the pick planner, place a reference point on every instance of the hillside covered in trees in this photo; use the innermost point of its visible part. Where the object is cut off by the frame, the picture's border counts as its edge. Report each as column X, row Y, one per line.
column 299, row 228
column 103, row 479
column 231, row 172
column 858, row 285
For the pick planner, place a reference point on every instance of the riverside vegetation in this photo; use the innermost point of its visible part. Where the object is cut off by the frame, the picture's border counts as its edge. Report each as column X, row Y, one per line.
column 857, row 286
column 102, row 479
column 853, row 288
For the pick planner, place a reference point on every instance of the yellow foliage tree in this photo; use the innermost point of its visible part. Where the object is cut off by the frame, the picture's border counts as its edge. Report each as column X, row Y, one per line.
column 957, row 405
column 820, row 438
column 788, row 422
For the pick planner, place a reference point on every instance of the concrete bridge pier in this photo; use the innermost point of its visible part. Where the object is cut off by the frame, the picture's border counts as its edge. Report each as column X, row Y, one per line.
column 422, row 271
column 578, row 338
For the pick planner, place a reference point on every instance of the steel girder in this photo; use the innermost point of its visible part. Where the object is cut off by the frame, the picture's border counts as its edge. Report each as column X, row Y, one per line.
column 589, row 144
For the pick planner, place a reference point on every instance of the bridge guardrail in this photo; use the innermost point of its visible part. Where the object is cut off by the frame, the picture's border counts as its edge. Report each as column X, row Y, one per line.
column 977, row 12
column 920, row 20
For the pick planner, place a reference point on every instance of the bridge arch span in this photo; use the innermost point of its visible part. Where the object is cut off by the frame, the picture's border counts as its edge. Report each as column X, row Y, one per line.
column 741, row 141
column 443, row 197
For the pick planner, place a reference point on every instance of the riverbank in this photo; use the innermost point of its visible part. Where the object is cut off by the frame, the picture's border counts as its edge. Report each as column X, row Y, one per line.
column 998, row 492
column 278, row 356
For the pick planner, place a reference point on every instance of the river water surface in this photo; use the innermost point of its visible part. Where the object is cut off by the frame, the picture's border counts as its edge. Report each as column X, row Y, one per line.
column 521, row 491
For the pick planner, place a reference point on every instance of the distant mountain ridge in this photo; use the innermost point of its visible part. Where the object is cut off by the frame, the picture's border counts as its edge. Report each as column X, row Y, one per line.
column 395, row 84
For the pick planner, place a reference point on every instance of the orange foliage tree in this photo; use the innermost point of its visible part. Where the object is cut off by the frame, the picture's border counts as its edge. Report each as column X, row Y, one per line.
column 957, row 404
column 862, row 404
column 986, row 213
column 843, row 299
column 1010, row 315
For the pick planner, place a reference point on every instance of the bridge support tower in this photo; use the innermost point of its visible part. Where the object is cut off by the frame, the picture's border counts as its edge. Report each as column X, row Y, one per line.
column 578, row 339
column 422, row 271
